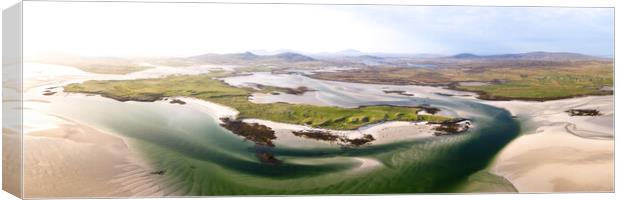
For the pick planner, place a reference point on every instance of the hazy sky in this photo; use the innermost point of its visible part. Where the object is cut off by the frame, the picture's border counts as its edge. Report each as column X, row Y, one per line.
column 139, row 29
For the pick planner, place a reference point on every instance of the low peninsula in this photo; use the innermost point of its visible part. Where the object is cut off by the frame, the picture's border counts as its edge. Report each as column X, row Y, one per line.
column 207, row 87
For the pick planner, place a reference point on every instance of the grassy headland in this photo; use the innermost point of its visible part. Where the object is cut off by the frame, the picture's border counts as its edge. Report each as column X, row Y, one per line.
column 207, row 88
column 546, row 84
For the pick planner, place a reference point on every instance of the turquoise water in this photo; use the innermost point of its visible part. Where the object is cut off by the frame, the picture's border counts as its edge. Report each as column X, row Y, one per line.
column 202, row 158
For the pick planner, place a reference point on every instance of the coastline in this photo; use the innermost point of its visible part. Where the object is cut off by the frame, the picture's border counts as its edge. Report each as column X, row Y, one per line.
column 530, row 180
column 521, row 162
column 90, row 162
column 551, row 157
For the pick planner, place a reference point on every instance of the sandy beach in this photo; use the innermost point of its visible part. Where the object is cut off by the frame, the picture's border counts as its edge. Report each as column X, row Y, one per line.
column 215, row 110
column 557, row 152
column 88, row 161
column 383, row 133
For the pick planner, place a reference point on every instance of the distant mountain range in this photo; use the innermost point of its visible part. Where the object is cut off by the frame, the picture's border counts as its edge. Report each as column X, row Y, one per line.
column 538, row 55
column 346, row 58
column 249, row 57
column 351, row 57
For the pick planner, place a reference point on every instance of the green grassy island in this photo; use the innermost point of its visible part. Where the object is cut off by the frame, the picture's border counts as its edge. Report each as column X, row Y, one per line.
column 207, row 88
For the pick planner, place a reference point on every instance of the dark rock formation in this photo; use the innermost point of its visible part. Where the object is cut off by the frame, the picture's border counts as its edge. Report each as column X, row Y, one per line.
column 583, row 112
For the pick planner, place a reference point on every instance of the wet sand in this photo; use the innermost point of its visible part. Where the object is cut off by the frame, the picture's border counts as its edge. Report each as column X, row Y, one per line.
column 75, row 160
column 11, row 162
